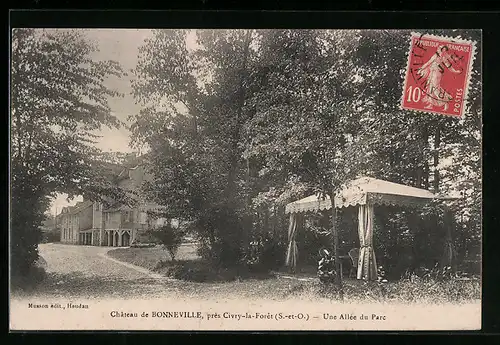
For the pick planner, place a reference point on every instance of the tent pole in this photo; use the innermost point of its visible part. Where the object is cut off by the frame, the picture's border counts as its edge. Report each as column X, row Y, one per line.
column 291, row 255
column 335, row 236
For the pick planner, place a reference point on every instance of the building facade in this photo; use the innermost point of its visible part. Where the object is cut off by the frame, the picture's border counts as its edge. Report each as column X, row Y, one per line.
column 124, row 225
column 76, row 222
column 88, row 223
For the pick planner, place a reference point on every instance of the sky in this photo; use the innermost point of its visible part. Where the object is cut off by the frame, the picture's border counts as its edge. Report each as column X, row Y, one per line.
column 121, row 45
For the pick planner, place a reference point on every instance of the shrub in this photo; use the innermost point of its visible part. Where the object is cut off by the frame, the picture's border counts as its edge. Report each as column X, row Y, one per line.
column 51, row 236
column 145, row 237
column 25, row 235
column 220, row 231
column 169, row 237
column 266, row 253
column 34, row 276
column 326, row 268
column 310, row 241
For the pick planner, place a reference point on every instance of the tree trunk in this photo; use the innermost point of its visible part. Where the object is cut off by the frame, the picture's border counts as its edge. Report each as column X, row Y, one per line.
column 266, row 220
column 17, row 114
column 235, row 137
column 437, row 143
column 103, row 225
column 422, row 178
column 449, row 250
column 249, row 221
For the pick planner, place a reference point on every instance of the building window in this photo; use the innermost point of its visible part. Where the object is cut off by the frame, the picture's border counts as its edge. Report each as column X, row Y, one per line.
column 143, row 218
column 128, row 216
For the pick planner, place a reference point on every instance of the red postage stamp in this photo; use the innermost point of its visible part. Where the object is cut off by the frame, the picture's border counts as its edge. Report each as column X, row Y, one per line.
column 438, row 75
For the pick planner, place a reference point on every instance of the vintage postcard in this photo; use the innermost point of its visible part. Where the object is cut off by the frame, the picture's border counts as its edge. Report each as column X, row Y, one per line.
column 276, row 179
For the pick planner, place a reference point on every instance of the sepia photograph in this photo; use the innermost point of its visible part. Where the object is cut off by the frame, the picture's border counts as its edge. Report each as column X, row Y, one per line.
column 245, row 179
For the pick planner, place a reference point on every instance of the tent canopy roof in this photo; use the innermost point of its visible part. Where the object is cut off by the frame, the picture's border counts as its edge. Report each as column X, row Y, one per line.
column 366, row 190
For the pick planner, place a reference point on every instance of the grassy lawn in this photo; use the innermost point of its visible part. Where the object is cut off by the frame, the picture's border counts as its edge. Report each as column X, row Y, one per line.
column 187, row 265
column 158, row 260
column 150, row 257
column 198, row 280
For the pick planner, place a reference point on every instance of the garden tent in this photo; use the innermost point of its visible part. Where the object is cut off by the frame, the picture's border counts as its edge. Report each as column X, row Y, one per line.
column 364, row 193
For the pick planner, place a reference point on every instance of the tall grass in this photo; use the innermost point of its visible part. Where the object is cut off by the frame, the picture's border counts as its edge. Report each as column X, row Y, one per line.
column 430, row 291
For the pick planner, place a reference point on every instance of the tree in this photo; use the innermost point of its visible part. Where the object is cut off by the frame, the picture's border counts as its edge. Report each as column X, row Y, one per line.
column 247, row 120
column 170, row 237
column 195, row 135
column 58, row 100
column 424, row 150
column 307, row 114
column 330, row 111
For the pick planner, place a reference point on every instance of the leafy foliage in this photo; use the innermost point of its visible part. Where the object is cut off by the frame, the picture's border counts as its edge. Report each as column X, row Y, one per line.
column 426, row 151
column 58, row 100
column 326, row 268
column 194, row 135
column 248, row 120
column 169, row 237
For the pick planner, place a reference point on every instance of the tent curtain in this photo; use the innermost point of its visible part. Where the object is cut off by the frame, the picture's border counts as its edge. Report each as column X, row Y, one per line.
column 292, row 251
column 367, row 264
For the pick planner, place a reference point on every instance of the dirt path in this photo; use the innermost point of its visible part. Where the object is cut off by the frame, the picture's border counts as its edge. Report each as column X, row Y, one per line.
column 85, row 271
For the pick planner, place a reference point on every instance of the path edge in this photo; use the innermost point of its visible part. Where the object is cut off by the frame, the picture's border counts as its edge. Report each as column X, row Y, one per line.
column 137, row 268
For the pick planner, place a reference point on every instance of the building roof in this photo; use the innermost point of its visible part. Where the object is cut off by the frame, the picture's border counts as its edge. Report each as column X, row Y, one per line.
column 80, row 206
column 366, row 190
column 119, row 171
column 132, row 164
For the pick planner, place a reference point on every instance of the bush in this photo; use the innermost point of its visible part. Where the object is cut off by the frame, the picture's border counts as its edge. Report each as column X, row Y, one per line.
column 30, row 280
column 326, row 268
column 169, row 237
column 266, row 253
column 27, row 214
column 52, row 236
column 196, row 274
column 273, row 254
column 220, row 233
column 310, row 241
column 437, row 273
column 145, row 237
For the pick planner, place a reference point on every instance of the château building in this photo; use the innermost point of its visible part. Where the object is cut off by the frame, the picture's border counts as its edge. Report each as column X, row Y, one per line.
column 87, row 223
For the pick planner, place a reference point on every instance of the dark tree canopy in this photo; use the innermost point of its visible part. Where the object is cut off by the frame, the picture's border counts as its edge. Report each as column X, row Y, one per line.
column 248, row 120
column 58, row 101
